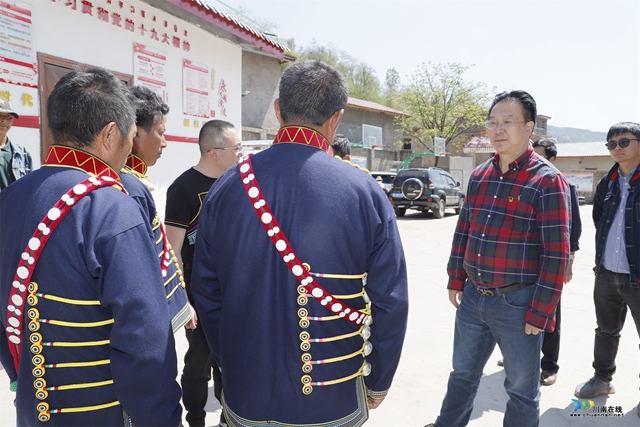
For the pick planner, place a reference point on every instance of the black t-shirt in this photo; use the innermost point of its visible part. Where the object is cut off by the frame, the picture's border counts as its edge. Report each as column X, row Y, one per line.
column 184, row 202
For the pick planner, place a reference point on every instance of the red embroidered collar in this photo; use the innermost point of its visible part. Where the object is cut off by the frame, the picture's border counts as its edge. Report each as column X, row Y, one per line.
column 60, row 155
column 302, row 135
column 136, row 164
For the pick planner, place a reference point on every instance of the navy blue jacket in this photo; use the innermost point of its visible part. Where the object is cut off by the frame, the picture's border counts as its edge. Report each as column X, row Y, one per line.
column 99, row 265
column 604, row 211
column 174, row 285
column 337, row 220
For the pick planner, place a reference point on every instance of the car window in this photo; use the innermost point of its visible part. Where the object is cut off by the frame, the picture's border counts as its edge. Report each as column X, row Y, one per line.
column 450, row 181
column 403, row 175
column 437, row 178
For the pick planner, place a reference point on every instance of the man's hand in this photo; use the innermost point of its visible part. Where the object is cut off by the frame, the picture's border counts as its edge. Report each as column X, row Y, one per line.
column 374, row 402
column 531, row 330
column 568, row 273
column 455, row 297
column 194, row 318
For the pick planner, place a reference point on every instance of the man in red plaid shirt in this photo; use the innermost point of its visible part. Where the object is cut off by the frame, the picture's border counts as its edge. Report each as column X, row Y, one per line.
column 508, row 259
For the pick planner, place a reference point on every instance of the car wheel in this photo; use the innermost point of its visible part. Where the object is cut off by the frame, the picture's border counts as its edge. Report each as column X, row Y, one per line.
column 400, row 211
column 459, row 207
column 439, row 213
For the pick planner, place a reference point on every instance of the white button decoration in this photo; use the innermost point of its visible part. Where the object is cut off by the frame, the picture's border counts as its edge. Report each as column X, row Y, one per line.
column 17, row 300
column 281, row 245
column 25, row 255
column 14, row 339
column 336, row 307
column 244, row 168
column 254, row 192
column 266, row 217
column 14, row 322
column 316, row 292
column 34, row 243
column 80, row 189
column 22, row 272
column 297, row 270
column 53, row 214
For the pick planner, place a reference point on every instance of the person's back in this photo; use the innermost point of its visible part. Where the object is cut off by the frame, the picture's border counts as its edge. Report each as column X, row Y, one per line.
column 95, row 350
column 338, row 223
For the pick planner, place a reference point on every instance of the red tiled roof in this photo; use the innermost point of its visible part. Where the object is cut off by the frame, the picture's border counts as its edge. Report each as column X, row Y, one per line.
column 202, row 10
column 374, row 106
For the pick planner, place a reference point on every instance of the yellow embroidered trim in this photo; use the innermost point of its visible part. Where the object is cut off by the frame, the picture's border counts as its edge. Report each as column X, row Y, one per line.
column 178, row 286
column 68, row 300
column 88, row 408
column 83, row 385
column 175, row 273
column 75, row 344
column 359, row 294
column 337, row 338
column 339, row 380
column 78, row 324
column 339, row 358
column 77, row 364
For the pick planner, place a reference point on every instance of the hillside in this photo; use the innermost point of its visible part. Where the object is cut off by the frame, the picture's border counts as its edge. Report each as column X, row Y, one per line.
column 575, row 135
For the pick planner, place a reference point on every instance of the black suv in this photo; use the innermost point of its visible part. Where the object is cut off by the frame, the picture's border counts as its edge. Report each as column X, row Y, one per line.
column 425, row 189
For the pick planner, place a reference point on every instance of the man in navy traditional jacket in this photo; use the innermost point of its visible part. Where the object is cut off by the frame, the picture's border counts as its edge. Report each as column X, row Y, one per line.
column 299, row 273
column 85, row 334
column 148, row 144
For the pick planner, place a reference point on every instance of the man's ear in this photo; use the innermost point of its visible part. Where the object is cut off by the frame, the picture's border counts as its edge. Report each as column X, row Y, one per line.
column 530, row 126
column 333, row 123
column 276, row 106
column 109, row 137
column 136, row 138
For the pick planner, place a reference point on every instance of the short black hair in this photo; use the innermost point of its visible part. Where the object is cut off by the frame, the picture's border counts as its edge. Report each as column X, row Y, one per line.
column 340, row 145
column 526, row 101
column 149, row 105
column 550, row 149
column 311, row 92
column 624, row 127
column 83, row 102
column 212, row 135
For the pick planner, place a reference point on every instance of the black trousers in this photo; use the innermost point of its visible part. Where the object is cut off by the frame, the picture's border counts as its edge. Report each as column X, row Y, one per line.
column 199, row 367
column 612, row 295
column 551, row 347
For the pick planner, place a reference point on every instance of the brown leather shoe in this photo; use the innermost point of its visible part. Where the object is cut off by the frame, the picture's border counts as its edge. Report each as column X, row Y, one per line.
column 548, row 378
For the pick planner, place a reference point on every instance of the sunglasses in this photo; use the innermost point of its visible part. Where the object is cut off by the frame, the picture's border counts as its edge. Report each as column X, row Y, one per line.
column 622, row 142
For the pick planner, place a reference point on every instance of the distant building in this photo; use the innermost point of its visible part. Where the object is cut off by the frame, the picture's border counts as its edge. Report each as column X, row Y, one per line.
column 584, row 164
column 370, row 124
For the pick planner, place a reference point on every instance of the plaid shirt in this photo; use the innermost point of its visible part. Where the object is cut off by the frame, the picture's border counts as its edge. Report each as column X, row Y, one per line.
column 514, row 227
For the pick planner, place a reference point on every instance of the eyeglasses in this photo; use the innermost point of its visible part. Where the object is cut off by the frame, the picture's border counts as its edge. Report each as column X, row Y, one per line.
column 237, row 148
column 622, row 142
column 492, row 124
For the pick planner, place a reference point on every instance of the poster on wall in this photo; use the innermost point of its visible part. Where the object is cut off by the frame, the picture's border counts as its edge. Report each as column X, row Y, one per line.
column 17, row 62
column 195, row 89
column 149, row 66
column 582, row 180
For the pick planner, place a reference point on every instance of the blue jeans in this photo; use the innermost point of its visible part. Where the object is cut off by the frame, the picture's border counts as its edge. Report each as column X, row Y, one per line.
column 481, row 322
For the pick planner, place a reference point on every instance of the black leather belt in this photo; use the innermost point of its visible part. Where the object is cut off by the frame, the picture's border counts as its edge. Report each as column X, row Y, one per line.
column 501, row 290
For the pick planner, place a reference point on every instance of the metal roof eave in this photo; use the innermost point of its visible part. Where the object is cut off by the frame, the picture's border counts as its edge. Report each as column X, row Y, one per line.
column 218, row 23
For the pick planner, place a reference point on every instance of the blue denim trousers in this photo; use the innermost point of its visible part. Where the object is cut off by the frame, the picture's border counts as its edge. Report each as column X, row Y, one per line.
column 481, row 322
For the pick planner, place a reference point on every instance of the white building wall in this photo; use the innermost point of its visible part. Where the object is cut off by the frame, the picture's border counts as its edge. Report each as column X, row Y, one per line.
column 60, row 31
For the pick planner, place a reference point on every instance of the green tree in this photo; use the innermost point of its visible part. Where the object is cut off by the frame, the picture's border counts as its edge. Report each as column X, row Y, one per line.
column 391, row 88
column 441, row 103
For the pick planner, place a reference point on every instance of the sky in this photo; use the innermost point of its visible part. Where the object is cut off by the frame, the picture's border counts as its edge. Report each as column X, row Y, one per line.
column 579, row 59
